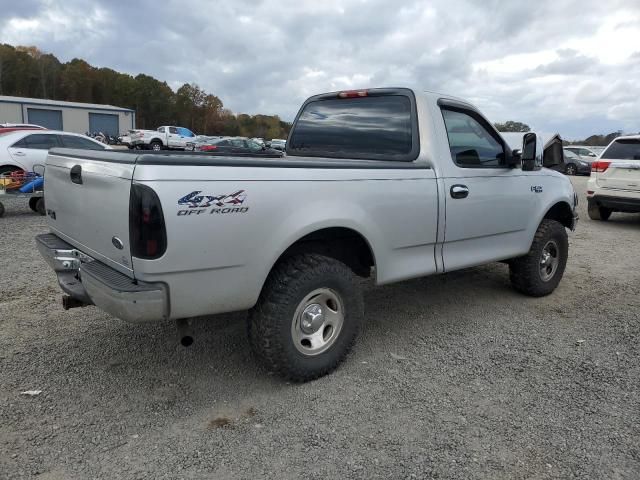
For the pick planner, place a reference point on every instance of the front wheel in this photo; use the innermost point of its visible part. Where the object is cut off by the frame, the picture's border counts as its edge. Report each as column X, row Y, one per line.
column 307, row 318
column 539, row 272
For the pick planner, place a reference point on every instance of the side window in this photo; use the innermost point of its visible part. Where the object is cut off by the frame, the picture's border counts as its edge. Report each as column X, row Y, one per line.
column 254, row 146
column 71, row 141
column 22, row 143
column 40, row 142
column 161, row 129
column 471, row 142
column 223, row 143
column 173, row 130
column 586, row 153
column 236, row 142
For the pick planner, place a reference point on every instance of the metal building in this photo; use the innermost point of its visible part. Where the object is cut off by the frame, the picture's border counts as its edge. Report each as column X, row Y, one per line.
column 67, row 116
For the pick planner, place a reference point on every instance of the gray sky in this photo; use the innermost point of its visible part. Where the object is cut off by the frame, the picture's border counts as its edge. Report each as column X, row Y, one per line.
column 558, row 65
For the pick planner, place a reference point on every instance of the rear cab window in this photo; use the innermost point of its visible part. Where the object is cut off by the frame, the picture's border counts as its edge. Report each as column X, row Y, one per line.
column 624, row 149
column 378, row 125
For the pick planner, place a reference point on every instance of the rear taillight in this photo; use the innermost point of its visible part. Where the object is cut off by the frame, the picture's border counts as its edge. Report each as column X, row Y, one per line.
column 600, row 166
column 207, row 148
column 147, row 232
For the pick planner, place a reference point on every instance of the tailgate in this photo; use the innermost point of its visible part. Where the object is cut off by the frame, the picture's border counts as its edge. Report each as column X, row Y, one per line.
column 621, row 175
column 87, row 201
column 620, row 169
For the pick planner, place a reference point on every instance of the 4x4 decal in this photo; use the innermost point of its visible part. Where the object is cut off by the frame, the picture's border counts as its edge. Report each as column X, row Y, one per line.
column 198, row 204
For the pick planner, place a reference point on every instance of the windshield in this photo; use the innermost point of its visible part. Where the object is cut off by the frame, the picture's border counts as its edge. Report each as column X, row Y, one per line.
column 623, row 150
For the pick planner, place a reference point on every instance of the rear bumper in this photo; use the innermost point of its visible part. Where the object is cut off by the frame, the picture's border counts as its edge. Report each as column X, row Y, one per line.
column 94, row 283
column 619, row 204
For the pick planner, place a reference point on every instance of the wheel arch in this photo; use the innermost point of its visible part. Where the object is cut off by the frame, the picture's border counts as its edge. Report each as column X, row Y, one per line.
column 561, row 212
column 13, row 166
column 342, row 243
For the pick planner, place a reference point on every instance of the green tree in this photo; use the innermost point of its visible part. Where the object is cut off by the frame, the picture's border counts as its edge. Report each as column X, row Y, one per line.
column 511, row 126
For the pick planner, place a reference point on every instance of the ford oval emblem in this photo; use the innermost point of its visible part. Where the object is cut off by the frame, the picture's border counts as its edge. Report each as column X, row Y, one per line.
column 117, row 243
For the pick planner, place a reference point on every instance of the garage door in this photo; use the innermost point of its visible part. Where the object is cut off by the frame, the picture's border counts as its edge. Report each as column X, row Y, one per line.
column 51, row 119
column 104, row 122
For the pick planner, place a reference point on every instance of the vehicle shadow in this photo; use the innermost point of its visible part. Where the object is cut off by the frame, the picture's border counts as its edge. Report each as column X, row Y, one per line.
column 149, row 359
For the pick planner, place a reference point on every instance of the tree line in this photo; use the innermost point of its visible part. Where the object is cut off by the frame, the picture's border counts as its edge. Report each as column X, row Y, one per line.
column 592, row 141
column 29, row 72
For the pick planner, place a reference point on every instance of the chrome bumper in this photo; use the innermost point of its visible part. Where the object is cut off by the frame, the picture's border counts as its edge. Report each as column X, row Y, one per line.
column 94, row 283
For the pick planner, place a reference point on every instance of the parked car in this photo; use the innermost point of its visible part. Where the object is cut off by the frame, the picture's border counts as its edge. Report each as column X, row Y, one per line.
column 195, row 143
column 164, row 138
column 22, row 149
column 574, row 164
column 278, row 144
column 235, row 145
column 12, row 127
column 191, row 235
column 126, row 138
column 614, row 185
column 583, row 151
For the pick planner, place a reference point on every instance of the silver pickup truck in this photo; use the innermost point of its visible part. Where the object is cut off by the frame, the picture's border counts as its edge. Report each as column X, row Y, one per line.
column 391, row 183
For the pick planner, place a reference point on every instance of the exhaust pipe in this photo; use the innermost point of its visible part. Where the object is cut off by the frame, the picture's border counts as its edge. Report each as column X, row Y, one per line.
column 185, row 335
column 69, row 302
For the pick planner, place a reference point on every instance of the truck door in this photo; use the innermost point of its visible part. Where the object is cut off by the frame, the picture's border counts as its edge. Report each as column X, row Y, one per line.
column 487, row 203
column 174, row 140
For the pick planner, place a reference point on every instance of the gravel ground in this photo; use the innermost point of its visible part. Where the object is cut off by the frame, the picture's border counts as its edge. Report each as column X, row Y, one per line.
column 455, row 376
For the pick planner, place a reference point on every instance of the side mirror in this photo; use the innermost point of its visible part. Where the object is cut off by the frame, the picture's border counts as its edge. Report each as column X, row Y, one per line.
column 529, row 154
column 515, row 159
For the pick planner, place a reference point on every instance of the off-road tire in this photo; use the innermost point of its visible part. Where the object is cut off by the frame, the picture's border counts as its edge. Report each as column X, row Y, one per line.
column 40, row 207
column 525, row 271
column 270, row 321
column 598, row 213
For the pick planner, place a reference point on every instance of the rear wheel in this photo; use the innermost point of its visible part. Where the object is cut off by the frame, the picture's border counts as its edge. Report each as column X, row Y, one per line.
column 571, row 169
column 307, row 318
column 40, row 207
column 598, row 213
column 539, row 272
column 32, row 203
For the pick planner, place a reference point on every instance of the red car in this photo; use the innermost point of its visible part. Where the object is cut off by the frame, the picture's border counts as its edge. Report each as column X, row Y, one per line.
column 12, row 127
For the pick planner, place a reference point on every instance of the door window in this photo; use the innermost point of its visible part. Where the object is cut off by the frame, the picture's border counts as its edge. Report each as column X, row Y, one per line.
column 71, row 141
column 472, row 144
column 173, row 130
column 237, row 143
column 38, row 142
column 161, row 129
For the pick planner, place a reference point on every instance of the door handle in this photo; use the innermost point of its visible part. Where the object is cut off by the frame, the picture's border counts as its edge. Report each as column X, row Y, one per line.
column 76, row 174
column 459, row 191
column 19, row 154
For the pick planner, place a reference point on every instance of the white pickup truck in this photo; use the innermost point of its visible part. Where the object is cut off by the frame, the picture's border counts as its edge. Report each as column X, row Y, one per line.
column 394, row 183
column 164, row 138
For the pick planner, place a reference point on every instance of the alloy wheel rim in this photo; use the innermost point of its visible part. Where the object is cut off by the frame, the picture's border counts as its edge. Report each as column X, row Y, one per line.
column 317, row 322
column 549, row 260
